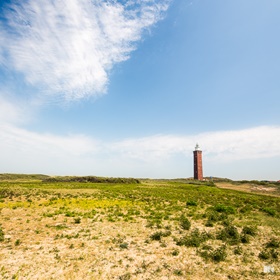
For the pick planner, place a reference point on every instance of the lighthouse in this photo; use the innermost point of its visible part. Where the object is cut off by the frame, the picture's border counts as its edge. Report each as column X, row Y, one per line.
column 197, row 163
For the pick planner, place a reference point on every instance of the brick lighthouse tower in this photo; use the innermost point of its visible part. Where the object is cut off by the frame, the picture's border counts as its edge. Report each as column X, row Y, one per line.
column 197, row 163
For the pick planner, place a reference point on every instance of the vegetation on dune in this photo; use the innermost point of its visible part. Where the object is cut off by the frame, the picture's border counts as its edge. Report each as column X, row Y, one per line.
column 154, row 226
column 14, row 177
column 91, row 179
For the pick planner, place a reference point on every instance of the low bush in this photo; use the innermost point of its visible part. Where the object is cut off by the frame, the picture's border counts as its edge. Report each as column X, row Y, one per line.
column 221, row 208
column 1, row 234
column 238, row 250
column 217, row 255
column 175, row 252
column 17, row 242
column 178, row 272
column 264, row 255
column 77, row 220
column 229, row 234
column 269, row 211
column 124, row 245
column 194, row 239
column 91, row 179
column 249, row 230
column 213, row 216
column 244, row 238
column 191, row 203
column 185, row 223
column 156, row 236
column 273, row 243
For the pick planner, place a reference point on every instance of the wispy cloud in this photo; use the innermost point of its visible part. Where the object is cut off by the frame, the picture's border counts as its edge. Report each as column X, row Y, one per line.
column 67, row 47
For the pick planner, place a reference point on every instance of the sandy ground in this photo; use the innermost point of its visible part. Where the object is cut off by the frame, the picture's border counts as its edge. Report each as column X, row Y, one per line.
column 251, row 188
column 58, row 248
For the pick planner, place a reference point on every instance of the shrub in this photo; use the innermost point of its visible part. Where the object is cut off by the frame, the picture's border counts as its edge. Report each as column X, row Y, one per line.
column 249, row 230
column 194, row 239
column 244, row 238
column 274, row 254
column 273, row 243
column 237, row 251
column 77, row 220
column 246, row 209
column 229, row 234
column 221, row 208
column 219, row 254
column 166, row 233
column 209, row 223
column 216, row 255
column 264, row 255
column 213, row 216
column 124, row 245
column 269, row 211
column 156, row 236
column 175, row 252
column 1, row 234
column 178, row 272
column 191, row 203
column 185, row 223
column 18, row 242
column 269, row 254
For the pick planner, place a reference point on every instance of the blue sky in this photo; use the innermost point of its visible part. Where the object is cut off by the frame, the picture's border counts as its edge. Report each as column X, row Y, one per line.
column 127, row 88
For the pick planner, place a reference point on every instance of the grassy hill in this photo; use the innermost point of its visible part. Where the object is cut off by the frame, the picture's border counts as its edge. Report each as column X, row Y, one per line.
column 138, row 229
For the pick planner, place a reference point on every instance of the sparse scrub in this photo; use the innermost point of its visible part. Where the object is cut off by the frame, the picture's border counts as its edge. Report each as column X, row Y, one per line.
column 249, row 230
column 178, row 272
column 185, row 223
column 221, row 208
column 265, row 254
column 229, row 234
column 175, row 252
column 191, row 203
column 126, row 276
column 245, row 238
column 238, row 250
column 1, row 234
column 219, row 254
column 269, row 211
column 216, row 255
column 17, row 242
column 194, row 239
column 124, row 245
column 157, row 235
column 273, row 243
column 77, row 220
column 112, row 219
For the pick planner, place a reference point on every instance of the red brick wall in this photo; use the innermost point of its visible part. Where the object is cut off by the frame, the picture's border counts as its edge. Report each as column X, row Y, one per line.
column 197, row 165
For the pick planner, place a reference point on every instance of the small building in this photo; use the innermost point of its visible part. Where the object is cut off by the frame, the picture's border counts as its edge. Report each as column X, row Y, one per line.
column 197, row 164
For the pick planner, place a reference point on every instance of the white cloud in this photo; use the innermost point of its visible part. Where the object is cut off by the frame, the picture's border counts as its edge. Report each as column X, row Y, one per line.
column 67, row 47
column 48, row 145
column 258, row 142
column 12, row 111
column 155, row 156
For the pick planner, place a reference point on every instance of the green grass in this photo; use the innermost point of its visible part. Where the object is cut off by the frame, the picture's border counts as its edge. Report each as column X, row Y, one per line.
column 185, row 215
